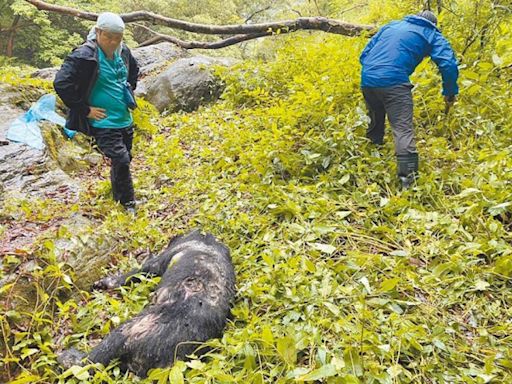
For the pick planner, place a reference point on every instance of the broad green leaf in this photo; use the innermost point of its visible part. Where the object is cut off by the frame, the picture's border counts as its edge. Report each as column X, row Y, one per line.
column 81, row 373
column 25, row 378
column 176, row 373
column 325, row 248
column 389, row 284
column 366, row 284
column 287, row 350
column 323, row 372
column 266, row 335
column 481, row 285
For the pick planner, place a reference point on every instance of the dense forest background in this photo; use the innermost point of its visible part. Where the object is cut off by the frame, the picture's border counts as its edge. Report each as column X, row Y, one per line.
column 341, row 277
column 56, row 34
column 43, row 39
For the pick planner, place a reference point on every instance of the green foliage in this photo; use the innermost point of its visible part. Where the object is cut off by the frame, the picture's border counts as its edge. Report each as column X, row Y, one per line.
column 41, row 39
column 341, row 278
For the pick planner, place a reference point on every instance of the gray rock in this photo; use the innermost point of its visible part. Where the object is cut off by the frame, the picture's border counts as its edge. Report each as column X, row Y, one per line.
column 25, row 171
column 152, row 57
column 45, row 73
column 153, row 60
column 187, row 84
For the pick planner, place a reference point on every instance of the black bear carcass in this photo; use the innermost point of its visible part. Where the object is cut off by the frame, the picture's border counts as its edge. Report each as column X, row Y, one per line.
column 190, row 305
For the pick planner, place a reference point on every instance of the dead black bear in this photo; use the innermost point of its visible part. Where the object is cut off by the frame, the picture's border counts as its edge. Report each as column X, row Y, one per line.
column 191, row 304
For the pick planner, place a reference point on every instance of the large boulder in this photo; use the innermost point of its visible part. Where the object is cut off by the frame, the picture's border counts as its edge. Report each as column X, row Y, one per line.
column 152, row 57
column 153, row 60
column 187, row 84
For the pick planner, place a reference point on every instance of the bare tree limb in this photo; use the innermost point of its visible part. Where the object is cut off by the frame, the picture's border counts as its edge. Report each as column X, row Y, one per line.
column 477, row 34
column 256, row 12
column 42, row 6
column 352, row 8
column 17, row 27
column 159, row 37
column 317, row 7
column 307, row 23
column 203, row 44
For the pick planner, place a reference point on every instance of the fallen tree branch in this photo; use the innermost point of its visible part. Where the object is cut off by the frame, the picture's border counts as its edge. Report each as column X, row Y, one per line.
column 159, row 37
column 258, row 30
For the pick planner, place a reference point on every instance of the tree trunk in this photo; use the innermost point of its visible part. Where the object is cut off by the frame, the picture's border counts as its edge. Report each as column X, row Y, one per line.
column 10, row 40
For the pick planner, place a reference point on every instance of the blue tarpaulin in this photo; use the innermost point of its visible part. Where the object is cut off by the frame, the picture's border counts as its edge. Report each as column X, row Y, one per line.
column 25, row 128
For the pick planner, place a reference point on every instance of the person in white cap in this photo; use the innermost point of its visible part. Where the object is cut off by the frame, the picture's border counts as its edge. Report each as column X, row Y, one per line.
column 96, row 83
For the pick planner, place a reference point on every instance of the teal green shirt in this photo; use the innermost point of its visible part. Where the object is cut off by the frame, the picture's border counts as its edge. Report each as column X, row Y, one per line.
column 108, row 93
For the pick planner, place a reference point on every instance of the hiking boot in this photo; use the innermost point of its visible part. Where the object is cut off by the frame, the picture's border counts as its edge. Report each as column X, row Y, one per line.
column 407, row 181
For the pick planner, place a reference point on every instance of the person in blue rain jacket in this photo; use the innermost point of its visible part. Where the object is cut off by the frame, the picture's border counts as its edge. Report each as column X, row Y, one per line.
column 388, row 60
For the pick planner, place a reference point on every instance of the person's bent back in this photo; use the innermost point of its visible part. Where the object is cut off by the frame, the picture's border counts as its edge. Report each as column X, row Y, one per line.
column 387, row 61
column 400, row 46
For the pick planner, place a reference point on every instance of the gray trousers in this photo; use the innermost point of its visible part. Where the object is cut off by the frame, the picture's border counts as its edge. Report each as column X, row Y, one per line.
column 396, row 102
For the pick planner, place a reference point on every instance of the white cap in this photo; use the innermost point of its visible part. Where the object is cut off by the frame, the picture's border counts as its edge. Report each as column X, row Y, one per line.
column 110, row 22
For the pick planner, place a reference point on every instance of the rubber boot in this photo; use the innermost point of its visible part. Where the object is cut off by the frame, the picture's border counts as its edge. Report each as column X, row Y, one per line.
column 407, row 169
column 130, row 207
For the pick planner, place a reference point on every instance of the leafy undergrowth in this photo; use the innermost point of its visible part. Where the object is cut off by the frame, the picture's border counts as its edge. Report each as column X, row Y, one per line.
column 341, row 278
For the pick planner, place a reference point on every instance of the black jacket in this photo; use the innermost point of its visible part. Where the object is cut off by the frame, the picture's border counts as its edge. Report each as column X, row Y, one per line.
column 76, row 78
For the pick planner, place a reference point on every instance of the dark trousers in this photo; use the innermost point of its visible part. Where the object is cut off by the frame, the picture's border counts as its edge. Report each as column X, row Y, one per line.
column 396, row 103
column 116, row 144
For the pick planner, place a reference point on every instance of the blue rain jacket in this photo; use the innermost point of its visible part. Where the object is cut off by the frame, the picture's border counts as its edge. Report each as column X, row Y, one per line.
column 395, row 51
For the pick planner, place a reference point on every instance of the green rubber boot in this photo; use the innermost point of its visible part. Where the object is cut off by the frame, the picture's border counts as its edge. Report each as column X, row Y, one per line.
column 407, row 169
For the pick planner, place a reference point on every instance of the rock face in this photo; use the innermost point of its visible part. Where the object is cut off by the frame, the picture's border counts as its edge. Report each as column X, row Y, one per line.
column 25, row 171
column 29, row 174
column 187, row 84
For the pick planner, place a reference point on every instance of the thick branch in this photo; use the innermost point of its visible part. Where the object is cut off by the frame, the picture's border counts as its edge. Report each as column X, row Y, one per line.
column 308, row 23
column 159, row 37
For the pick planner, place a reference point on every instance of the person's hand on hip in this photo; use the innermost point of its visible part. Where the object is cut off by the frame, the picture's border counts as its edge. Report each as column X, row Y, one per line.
column 96, row 113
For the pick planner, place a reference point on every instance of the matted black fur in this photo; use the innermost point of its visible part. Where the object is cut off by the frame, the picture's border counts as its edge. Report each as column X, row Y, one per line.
column 190, row 305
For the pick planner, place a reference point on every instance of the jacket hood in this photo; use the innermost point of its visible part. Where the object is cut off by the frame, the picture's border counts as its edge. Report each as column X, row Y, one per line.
column 86, row 51
column 413, row 19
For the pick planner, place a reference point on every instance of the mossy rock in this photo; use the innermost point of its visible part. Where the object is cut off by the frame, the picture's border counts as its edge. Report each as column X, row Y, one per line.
column 72, row 155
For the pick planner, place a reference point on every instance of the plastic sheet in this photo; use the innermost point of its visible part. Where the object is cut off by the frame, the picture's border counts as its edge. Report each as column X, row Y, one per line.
column 25, row 129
